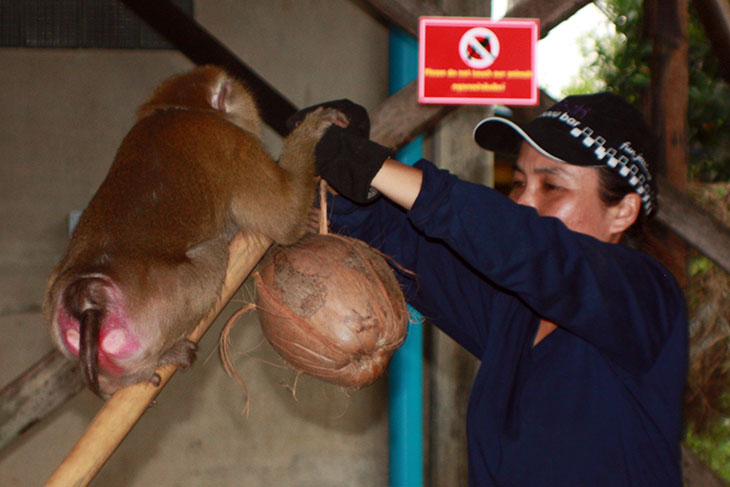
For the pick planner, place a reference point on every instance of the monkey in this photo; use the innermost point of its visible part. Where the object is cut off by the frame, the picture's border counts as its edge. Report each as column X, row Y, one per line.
column 147, row 259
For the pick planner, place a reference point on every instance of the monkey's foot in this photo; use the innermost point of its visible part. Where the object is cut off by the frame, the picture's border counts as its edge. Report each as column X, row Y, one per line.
column 181, row 354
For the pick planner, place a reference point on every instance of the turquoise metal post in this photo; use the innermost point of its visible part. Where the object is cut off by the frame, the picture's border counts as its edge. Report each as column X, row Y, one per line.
column 406, row 367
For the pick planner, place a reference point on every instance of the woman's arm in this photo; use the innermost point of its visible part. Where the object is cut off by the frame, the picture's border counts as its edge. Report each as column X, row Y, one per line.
column 437, row 281
column 620, row 300
column 398, row 182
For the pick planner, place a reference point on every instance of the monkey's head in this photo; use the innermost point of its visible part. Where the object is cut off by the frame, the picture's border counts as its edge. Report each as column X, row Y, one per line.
column 206, row 88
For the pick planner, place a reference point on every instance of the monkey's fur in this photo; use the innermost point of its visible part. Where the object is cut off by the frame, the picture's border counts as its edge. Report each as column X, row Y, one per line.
column 148, row 257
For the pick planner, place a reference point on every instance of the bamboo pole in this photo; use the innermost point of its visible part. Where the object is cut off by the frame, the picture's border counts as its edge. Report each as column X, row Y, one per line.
column 122, row 411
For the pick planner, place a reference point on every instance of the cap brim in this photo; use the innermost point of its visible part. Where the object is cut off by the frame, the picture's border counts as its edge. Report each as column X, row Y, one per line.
column 501, row 135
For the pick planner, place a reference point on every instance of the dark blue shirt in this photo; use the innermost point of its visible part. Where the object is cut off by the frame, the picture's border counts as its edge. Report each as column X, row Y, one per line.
column 595, row 403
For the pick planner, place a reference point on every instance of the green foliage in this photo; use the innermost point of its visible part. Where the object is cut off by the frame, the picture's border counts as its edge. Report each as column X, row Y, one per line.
column 620, row 63
column 713, row 448
column 699, row 265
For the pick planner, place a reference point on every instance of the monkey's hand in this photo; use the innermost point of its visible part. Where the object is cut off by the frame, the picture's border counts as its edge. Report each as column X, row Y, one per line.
column 357, row 116
column 345, row 157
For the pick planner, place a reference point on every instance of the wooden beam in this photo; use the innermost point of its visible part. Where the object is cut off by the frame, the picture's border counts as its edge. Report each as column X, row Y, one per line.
column 405, row 13
column 36, row 393
column 202, row 48
column 550, row 12
column 693, row 224
column 670, row 85
column 667, row 24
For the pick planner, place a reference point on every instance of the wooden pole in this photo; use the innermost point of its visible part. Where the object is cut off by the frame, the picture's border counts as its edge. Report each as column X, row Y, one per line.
column 122, row 411
column 667, row 24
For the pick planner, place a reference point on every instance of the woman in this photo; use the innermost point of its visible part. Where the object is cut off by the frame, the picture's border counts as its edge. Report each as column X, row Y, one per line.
column 582, row 341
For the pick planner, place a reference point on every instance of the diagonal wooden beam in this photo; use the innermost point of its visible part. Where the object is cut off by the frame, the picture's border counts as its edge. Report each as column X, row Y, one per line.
column 550, row 12
column 201, row 47
column 36, row 393
column 405, row 13
column 693, row 224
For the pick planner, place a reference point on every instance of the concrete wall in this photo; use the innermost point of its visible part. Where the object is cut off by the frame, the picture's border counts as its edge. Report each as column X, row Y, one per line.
column 63, row 114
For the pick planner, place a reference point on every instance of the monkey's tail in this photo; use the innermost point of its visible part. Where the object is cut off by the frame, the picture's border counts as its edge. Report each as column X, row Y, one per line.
column 89, row 328
column 86, row 300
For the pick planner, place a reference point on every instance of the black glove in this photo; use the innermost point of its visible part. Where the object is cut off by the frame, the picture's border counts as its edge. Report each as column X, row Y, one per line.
column 345, row 157
column 349, row 162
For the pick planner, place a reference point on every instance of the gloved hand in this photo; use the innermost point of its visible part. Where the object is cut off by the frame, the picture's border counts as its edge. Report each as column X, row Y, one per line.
column 345, row 156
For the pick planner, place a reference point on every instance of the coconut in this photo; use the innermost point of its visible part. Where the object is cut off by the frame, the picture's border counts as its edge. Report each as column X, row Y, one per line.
column 332, row 308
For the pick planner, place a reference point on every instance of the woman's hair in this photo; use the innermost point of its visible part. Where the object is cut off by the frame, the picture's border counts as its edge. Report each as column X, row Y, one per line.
column 612, row 188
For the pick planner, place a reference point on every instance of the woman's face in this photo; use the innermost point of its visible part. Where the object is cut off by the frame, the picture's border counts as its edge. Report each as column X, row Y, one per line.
column 564, row 191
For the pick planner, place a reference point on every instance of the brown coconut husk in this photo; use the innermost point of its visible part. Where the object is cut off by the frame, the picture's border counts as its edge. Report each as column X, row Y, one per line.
column 330, row 306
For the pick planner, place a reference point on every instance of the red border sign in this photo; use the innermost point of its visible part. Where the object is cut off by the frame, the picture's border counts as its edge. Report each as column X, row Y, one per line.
column 477, row 61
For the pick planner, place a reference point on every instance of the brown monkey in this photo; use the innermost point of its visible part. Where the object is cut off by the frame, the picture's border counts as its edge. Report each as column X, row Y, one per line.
column 148, row 257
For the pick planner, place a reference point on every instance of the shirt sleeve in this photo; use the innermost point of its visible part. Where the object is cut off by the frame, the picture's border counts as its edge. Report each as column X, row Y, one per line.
column 437, row 282
column 618, row 299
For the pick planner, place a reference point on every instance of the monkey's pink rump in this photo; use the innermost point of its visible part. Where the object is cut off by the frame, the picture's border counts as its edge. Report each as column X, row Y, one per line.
column 116, row 341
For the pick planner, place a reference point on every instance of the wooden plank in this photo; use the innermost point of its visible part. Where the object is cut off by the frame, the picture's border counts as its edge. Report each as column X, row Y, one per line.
column 401, row 118
column 36, row 393
column 405, row 13
column 693, row 224
column 550, row 12
column 670, row 85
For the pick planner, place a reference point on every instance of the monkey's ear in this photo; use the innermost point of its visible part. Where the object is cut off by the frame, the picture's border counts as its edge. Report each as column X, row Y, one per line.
column 220, row 96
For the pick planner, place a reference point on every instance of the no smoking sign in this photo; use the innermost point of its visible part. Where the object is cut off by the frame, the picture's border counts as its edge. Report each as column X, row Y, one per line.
column 477, row 61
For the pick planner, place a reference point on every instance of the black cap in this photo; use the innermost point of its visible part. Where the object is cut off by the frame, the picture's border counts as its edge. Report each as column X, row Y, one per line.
column 584, row 130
